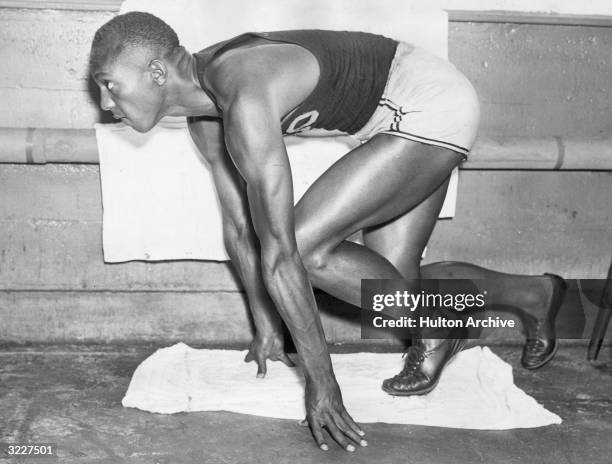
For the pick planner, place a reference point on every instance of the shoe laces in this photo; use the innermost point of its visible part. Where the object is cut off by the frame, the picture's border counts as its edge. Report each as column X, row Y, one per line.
column 414, row 357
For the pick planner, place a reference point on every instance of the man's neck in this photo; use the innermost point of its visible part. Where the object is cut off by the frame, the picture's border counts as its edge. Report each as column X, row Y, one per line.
column 185, row 94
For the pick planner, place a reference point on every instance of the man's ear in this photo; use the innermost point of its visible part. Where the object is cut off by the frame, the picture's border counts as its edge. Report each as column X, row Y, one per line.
column 159, row 72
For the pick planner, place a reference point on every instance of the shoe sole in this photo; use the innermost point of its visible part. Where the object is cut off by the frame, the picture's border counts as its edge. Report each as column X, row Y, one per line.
column 412, row 393
column 424, row 391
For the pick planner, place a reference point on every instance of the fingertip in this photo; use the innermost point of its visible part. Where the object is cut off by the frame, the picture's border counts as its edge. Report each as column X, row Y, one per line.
column 363, row 443
column 350, row 448
column 324, row 447
column 361, row 433
column 261, row 375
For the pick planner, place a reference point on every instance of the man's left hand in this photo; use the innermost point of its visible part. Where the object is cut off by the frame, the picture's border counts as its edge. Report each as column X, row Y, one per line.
column 267, row 346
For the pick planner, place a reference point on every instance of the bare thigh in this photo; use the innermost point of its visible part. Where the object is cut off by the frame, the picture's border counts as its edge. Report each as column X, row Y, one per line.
column 403, row 239
column 378, row 182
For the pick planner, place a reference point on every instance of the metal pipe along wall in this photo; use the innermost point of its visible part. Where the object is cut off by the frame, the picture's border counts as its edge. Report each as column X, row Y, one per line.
column 41, row 146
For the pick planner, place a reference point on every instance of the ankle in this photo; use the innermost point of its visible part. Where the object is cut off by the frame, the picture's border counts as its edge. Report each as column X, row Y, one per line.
column 535, row 298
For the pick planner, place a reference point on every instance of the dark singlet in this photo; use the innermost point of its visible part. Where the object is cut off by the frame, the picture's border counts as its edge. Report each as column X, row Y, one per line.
column 354, row 67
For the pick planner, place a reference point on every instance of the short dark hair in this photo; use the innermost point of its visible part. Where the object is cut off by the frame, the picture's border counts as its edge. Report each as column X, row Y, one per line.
column 133, row 29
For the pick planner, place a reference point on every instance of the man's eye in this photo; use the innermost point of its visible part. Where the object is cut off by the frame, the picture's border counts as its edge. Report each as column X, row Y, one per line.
column 110, row 85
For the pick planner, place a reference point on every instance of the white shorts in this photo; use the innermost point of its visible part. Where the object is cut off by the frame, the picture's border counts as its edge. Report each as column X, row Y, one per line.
column 426, row 99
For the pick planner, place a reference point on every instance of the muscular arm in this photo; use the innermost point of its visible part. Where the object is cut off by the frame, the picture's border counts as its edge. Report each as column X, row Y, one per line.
column 253, row 90
column 253, row 137
column 240, row 241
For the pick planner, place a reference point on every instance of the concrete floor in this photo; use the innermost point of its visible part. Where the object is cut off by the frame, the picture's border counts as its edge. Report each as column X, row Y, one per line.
column 71, row 395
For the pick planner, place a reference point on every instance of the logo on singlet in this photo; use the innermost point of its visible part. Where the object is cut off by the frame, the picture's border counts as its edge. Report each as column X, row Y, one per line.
column 302, row 122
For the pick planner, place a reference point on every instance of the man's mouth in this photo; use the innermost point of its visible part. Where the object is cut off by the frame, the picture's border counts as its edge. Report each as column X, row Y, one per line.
column 118, row 116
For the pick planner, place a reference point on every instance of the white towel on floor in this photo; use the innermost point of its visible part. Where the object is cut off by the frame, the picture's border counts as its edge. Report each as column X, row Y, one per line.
column 159, row 201
column 476, row 390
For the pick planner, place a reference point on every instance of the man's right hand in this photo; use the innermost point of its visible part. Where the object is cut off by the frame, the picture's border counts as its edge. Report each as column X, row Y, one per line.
column 269, row 345
column 325, row 410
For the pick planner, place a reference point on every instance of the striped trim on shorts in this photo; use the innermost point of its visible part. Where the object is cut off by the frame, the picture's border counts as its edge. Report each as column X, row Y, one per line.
column 426, row 99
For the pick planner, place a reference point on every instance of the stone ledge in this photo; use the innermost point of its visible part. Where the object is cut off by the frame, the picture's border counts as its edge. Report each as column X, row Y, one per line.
column 89, row 5
column 487, row 16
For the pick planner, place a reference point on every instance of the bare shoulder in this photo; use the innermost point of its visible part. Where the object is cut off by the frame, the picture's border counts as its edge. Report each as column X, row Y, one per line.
column 209, row 51
column 208, row 136
column 279, row 74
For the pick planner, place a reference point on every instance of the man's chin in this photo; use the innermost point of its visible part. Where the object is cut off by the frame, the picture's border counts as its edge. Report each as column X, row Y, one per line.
column 142, row 128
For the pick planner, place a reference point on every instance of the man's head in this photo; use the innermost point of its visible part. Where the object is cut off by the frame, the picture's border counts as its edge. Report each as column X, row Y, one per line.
column 128, row 62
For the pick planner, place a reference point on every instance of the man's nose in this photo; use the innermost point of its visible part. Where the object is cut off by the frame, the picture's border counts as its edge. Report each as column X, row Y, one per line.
column 106, row 102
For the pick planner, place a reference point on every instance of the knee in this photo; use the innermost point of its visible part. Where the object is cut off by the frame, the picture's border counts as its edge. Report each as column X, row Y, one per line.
column 315, row 262
column 313, row 253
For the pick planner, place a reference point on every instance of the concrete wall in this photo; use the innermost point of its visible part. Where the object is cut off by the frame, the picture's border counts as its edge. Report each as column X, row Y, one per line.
column 46, row 84
column 592, row 7
column 532, row 80
column 54, row 286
